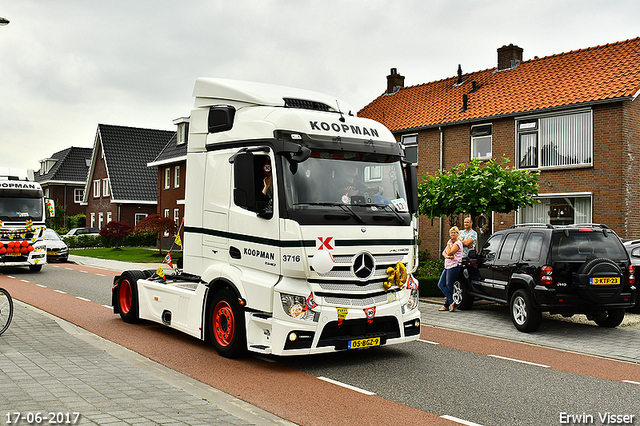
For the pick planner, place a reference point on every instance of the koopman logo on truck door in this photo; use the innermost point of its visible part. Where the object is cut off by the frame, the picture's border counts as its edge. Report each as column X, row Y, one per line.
column 343, row 128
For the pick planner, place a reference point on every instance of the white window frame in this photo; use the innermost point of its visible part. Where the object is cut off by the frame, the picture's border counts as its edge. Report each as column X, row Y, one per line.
column 410, row 144
column 167, row 212
column 578, row 141
column 479, row 134
column 176, row 216
column 109, row 217
column 167, row 177
column 182, row 133
column 176, row 177
column 542, row 208
column 78, row 195
column 93, row 220
column 100, row 220
column 105, row 187
column 138, row 217
column 96, row 189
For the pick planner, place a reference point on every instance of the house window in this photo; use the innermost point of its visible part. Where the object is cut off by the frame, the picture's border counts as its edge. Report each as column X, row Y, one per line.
column 139, row 217
column 183, row 129
column 78, row 195
column 481, row 142
column 96, row 189
column 562, row 140
column 166, row 214
column 167, row 178
column 93, row 220
column 410, row 143
column 109, row 217
column 100, row 220
column 176, row 177
column 176, row 216
column 558, row 210
column 105, row 187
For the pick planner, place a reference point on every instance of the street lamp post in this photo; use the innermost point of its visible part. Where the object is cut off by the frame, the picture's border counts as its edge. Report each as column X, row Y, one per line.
column 3, row 21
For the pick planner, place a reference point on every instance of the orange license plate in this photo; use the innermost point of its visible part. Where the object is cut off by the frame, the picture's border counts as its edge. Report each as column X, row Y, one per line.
column 605, row 281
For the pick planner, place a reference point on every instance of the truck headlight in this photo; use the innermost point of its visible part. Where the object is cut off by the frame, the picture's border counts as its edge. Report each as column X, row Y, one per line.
column 294, row 306
column 412, row 303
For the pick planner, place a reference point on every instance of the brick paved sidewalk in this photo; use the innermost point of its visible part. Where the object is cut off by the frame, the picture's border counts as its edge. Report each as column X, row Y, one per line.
column 50, row 366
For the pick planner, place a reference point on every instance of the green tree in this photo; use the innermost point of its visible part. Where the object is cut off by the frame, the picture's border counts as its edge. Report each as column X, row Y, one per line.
column 116, row 232
column 477, row 188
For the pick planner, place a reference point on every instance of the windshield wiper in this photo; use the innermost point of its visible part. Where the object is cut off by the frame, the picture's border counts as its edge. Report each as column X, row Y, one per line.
column 344, row 207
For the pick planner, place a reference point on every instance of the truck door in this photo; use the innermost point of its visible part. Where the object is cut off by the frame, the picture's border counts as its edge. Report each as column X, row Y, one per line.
column 253, row 224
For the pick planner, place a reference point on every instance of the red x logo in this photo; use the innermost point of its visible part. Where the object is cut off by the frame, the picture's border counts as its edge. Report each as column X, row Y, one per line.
column 325, row 242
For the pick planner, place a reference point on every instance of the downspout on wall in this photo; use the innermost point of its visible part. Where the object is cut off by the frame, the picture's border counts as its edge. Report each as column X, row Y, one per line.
column 440, row 168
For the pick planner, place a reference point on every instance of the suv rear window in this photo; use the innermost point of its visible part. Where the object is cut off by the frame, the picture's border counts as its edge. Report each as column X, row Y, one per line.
column 579, row 246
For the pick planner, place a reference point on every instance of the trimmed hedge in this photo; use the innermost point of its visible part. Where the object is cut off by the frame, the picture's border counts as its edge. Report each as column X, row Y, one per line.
column 131, row 240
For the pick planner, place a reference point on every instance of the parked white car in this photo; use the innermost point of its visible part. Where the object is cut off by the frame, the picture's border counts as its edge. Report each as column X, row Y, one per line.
column 57, row 249
column 76, row 232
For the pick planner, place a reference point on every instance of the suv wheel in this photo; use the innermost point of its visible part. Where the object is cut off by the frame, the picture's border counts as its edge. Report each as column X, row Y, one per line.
column 461, row 296
column 611, row 318
column 524, row 315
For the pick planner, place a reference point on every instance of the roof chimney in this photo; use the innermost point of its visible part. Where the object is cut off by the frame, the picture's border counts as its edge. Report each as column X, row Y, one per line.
column 509, row 57
column 395, row 81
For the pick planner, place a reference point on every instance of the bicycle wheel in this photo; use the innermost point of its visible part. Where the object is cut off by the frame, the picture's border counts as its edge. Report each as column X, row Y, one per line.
column 6, row 310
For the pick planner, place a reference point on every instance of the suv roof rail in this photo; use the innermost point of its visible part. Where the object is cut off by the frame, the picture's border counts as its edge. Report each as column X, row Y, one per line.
column 588, row 225
column 546, row 225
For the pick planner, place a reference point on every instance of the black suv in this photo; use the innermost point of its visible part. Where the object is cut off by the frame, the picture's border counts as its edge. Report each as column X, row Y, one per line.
column 535, row 268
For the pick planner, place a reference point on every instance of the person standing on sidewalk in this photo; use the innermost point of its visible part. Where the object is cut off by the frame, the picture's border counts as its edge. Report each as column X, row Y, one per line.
column 468, row 237
column 452, row 254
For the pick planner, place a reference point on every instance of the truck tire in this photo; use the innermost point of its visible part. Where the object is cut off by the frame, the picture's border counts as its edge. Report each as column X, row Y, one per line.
column 461, row 295
column 525, row 316
column 611, row 318
column 127, row 297
column 226, row 325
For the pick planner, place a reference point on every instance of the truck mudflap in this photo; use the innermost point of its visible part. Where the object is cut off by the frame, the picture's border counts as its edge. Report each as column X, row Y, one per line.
column 114, row 294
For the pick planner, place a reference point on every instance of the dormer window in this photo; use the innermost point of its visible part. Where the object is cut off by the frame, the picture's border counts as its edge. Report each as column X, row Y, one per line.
column 183, row 130
column 46, row 165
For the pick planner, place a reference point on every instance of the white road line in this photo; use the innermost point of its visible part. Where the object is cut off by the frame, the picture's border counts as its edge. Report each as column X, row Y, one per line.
column 101, row 275
column 11, row 276
column 632, row 382
column 428, row 341
column 344, row 385
column 40, row 285
column 82, row 298
column 520, row 361
column 108, row 307
column 84, row 272
column 25, row 281
column 60, row 291
column 457, row 420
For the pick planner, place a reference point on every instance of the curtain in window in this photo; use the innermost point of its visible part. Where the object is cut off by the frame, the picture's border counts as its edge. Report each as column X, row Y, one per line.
column 582, row 210
column 529, row 150
column 566, row 139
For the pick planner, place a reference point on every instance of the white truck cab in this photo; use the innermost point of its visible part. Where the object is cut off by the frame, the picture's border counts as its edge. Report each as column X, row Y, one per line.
column 299, row 233
column 23, row 211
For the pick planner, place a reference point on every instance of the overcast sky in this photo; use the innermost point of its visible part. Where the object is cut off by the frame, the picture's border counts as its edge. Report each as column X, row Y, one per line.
column 68, row 65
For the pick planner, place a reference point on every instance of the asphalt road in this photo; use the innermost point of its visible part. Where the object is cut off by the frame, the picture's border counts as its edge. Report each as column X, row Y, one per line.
column 457, row 375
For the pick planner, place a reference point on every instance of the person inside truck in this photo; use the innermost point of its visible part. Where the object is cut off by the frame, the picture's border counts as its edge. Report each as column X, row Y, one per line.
column 265, row 197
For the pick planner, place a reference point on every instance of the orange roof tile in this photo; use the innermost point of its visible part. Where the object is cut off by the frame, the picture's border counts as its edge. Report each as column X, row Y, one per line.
column 602, row 73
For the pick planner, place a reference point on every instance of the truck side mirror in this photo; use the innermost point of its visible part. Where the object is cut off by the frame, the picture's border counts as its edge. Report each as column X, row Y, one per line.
column 244, row 188
column 412, row 187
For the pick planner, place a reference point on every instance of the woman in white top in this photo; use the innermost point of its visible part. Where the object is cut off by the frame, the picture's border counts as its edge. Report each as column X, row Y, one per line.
column 452, row 265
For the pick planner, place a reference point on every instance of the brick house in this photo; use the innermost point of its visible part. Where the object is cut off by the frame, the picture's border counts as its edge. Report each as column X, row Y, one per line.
column 63, row 177
column 171, row 165
column 573, row 116
column 120, row 186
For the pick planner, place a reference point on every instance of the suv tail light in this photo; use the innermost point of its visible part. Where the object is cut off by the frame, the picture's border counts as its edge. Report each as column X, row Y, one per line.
column 632, row 275
column 546, row 276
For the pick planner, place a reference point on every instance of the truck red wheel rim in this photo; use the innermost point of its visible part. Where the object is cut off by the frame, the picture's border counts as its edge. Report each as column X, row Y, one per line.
column 224, row 323
column 125, row 297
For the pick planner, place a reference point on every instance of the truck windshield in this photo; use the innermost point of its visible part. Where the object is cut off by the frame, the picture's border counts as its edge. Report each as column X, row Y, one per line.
column 20, row 209
column 363, row 186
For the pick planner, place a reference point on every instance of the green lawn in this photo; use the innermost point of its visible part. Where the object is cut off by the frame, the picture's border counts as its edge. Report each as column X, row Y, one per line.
column 126, row 254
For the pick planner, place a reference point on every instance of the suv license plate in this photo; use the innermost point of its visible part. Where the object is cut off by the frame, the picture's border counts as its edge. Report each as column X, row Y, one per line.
column 363, row 343
column 605, row 281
